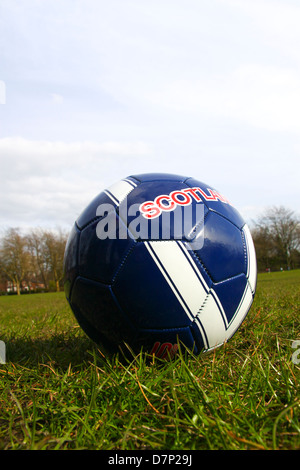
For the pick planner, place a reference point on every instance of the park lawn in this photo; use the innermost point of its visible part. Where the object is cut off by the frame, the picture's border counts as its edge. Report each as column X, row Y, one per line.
column 57, row 391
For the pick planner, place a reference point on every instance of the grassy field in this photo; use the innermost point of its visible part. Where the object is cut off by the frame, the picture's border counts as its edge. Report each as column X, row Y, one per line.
column 58, row 392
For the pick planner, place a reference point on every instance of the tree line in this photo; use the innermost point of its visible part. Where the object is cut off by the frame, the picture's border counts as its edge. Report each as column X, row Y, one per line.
column 276, row 236
column 34, row 261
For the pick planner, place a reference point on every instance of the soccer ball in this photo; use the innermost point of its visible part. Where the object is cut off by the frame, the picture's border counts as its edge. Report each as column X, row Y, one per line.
column 160, row 261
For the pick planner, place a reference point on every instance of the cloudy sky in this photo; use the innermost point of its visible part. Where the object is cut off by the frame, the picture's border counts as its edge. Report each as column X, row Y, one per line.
column 92, row 91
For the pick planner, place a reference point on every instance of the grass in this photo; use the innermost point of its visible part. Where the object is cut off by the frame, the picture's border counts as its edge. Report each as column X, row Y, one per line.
column 58, row 392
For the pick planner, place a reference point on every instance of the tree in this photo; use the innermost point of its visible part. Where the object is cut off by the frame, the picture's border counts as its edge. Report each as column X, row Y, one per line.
column 277, row 236
column 264, row 247
column 39, row 258
column 54, row 246
column 14, row 257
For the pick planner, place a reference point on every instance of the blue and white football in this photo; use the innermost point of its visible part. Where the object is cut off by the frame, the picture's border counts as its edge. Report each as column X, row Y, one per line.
column 156, row 261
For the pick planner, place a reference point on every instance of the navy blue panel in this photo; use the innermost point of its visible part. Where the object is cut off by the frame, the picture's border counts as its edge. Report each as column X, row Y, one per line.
column 90, row 211
column 99, row 316
column 230, row 294
column 158, row 176
column 176, row 224
column 223, row 251
column 201, row 267
column 100, row 258
column 148, row 191
column 183, row 223
column 145, row 295
column 225, row 209
column 71, row 260
column 164, row 342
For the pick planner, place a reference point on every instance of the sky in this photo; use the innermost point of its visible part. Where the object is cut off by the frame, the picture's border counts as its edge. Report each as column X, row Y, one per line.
column 93, row 91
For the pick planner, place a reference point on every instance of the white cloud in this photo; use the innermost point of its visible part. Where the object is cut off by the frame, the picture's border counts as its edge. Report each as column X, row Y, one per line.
column 2, row 92
column 57, row 98
column 262, row 96
column 276, row 22
column 50, row 183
